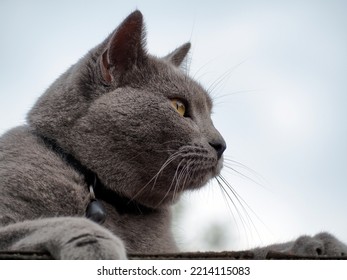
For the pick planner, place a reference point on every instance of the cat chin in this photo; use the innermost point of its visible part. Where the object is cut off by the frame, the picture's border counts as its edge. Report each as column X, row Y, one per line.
column 159, row 201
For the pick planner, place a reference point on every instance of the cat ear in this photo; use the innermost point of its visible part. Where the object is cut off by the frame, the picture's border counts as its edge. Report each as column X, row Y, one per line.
column 178, row 55
column 124, row 49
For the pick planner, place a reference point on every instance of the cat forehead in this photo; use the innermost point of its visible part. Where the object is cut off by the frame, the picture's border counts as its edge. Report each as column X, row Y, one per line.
column 174, row 82
column 198, row 95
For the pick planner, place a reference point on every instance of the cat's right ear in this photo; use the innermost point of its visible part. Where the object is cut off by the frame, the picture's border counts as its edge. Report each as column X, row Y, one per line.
column 178, row 55
column 124, row 49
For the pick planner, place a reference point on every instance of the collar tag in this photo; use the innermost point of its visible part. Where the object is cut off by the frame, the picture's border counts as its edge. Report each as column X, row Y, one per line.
column 95, row 211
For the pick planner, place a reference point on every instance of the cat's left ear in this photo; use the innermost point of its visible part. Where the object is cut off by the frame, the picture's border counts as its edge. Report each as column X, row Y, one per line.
column 178, row 55
column 125, row 48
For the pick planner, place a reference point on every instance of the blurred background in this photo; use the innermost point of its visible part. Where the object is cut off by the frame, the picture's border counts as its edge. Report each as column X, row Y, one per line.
column 277, row 73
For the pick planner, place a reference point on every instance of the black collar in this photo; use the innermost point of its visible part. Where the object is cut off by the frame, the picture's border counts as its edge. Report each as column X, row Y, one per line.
column 121, row 204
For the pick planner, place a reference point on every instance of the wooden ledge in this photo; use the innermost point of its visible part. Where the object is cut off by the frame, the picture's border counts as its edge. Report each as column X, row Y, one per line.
column 228, row 255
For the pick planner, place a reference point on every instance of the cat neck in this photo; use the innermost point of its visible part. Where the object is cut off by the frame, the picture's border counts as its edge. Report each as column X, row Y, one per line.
column 121, row 204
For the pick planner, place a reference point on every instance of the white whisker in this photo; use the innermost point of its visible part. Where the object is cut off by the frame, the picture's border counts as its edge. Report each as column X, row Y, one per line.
column 240, row 214
column 227, row 198
column 244, row 206
column 171, row 185
column 155, row 177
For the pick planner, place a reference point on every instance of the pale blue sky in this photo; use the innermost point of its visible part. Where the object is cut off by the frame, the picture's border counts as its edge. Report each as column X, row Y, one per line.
column 281, row 106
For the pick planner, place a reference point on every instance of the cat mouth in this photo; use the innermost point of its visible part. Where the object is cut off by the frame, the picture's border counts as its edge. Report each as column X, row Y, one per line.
column 189, row 168
column 194, row 173
column 194, row 167
column 184, row 180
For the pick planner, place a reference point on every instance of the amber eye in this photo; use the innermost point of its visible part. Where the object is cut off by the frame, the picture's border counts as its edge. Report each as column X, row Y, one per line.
column 179, row 106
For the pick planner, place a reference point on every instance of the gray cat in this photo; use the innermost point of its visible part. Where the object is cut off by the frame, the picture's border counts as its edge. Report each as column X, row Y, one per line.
column 107, row 149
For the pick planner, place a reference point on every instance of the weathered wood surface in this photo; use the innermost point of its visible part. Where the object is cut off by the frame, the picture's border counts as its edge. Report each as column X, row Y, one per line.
column 228, row 255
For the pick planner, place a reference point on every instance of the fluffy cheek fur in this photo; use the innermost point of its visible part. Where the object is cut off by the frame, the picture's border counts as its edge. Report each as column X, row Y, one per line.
column 122, row 134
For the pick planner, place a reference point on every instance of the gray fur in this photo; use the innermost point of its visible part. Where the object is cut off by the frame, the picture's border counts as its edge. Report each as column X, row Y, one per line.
column 112, row 112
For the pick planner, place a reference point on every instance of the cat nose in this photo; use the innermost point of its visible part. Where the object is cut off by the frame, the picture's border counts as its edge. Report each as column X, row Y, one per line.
column 219, row 146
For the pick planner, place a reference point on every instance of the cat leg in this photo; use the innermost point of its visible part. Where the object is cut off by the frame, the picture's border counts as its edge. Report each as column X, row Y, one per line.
column 322, row 244
column 63, row 238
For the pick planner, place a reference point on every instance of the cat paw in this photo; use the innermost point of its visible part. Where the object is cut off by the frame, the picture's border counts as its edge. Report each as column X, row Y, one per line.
column 66, row 238
column 91, row 241
column 322, row 244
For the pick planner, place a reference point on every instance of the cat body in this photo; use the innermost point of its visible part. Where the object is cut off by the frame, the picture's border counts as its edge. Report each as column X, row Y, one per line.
column 55, row 189
column 120, row 132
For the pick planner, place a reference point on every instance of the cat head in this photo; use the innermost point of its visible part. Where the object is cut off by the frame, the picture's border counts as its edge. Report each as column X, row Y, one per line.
column 138, row 121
